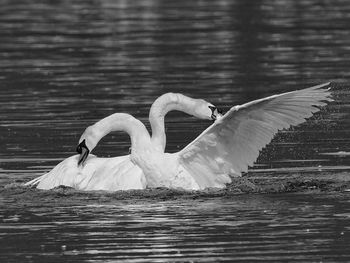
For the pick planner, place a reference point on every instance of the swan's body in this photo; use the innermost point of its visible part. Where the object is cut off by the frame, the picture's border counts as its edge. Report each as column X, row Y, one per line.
column 227, row 148
column 120, row 173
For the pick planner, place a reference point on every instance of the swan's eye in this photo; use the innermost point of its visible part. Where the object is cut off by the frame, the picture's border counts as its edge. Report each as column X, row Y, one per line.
column 80, row 147
column 213, row 109
column 215, row 113
column 84, row 151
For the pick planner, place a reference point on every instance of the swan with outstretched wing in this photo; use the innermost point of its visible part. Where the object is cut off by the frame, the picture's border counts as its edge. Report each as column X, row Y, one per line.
column 225, row 149
column 232, row 144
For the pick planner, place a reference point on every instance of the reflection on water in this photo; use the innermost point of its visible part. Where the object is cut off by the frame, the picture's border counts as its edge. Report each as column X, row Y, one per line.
column 67, row 64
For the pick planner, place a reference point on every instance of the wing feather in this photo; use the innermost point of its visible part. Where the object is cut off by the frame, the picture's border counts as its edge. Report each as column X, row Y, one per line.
column 233, row 143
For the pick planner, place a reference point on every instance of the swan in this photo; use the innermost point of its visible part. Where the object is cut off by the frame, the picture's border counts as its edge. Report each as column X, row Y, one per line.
column 226, row 148
column 120, row 173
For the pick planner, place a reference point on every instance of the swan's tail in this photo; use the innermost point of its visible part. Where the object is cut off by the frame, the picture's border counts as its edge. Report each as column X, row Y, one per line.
column 35, row 181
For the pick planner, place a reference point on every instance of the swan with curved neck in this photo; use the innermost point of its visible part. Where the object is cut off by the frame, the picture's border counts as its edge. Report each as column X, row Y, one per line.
column 160, row 169
column 230, row 145
column 225, row 149
column 126, row 175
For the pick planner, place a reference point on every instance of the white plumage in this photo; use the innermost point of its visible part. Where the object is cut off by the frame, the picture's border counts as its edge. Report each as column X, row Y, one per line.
column 233, row 143
column 225, row 149
column 120, row 173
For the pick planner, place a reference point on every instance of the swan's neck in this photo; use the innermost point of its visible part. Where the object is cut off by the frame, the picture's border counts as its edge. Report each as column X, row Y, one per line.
column 160, row 107
column 123, row 122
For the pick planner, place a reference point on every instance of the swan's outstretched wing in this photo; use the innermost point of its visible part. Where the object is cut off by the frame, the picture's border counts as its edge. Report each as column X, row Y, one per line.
column 233, row 142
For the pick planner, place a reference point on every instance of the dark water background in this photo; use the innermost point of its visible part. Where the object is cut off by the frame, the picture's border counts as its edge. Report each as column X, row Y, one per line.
column 66, row 64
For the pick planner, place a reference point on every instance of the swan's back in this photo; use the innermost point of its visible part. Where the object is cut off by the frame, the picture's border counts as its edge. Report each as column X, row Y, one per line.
column 109, row 174
column 65, row 173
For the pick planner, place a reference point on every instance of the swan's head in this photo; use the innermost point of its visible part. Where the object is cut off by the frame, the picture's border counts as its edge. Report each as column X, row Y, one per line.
column 87, row 143
column 205, row 110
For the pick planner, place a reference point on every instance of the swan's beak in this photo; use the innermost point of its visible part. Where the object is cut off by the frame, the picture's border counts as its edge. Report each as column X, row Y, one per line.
column 84, row 151
column 217, row 114
column 83, row 156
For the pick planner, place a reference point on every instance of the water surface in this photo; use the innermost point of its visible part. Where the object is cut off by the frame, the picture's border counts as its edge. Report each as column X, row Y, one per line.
column 65, row 65
column 243, row 228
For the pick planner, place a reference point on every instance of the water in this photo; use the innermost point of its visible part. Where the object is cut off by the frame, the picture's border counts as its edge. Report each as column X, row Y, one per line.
column 65, row 65
column 102, row 227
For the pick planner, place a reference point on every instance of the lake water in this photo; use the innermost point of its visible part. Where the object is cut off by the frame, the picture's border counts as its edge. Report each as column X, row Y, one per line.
column 66, row 64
